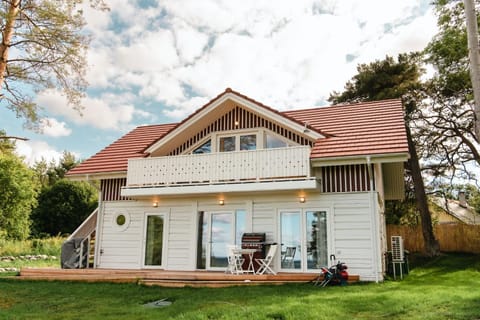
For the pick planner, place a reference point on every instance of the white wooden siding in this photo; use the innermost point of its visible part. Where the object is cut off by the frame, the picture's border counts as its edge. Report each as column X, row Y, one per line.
column 351, row 234
column 353, row 241
column 180, row 253
column 122, row 249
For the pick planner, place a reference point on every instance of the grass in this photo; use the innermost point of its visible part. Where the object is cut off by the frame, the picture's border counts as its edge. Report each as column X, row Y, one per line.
column 49, row 246
column 15, row 248
column 442, row 288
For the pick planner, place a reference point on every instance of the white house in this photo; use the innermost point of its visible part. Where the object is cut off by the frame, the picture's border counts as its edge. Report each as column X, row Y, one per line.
column 173, row 196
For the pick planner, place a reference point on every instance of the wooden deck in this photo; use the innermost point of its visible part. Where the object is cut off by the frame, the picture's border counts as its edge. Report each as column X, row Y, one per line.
column 166, row 278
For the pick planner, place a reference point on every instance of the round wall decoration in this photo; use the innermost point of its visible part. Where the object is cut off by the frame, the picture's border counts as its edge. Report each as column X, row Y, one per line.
column 121, row 221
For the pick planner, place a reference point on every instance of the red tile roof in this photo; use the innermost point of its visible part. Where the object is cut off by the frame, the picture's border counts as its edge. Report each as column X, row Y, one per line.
column 371, row 128
column 114, row 157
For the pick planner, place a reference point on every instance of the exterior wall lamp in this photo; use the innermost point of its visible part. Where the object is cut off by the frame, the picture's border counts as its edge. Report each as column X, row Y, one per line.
column 221, row 202
column 155, row 204
column 301, row 199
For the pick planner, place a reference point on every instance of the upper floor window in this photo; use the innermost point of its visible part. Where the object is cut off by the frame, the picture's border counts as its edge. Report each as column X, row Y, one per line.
column 204, row 148
column 274, row 141
column 242, row 141
column 237, row 143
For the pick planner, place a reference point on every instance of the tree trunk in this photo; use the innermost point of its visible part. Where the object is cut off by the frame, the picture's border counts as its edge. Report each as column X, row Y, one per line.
column 432, row 247
column 474, row 55
column 7, row 34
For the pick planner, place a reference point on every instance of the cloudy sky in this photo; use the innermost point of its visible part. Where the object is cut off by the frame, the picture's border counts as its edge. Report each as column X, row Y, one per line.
column 155, row 61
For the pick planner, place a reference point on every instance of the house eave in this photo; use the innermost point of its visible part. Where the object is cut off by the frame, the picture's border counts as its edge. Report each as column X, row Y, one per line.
column 97, row 176
column 359, row 159
column 171, row 190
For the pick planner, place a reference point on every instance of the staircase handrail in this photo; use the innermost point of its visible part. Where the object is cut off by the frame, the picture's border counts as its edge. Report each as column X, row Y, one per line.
column 87, row 225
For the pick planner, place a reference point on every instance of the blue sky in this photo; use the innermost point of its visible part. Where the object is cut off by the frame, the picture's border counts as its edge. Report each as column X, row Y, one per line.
column 158, row 61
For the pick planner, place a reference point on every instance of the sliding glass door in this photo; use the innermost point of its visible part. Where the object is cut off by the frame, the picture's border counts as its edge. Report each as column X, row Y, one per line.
column 217, row 230
column 221, row 235
column 303, row 238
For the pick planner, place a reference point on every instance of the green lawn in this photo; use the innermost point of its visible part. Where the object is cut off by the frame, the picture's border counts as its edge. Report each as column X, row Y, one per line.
column 447, row 287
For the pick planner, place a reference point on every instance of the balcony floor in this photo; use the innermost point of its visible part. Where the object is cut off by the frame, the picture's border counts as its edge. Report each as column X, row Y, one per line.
column 166, row 278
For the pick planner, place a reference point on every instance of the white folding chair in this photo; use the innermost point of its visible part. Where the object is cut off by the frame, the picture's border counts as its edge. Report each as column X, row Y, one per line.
column 288, row 258
column 235, row 260
column 266, row 264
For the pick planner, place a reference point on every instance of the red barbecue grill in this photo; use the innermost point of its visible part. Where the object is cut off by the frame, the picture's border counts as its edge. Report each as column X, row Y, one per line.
column 253, row 241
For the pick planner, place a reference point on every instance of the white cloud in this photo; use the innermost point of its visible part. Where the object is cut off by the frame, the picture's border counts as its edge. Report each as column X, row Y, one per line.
column 110, row 111
column 35, row 150
column 53, row 128
column 283, row 55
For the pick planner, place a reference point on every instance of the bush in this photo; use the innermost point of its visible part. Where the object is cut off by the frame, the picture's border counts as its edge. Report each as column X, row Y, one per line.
column 63, row 207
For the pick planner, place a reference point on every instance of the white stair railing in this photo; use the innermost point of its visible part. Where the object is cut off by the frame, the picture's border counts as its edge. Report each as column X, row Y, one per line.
column 84, row 232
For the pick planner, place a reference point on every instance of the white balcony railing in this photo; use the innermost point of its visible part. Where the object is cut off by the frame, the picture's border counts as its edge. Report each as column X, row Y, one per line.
column 223, row 167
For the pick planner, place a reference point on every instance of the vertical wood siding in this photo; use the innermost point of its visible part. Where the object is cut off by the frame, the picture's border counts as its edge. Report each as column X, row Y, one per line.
column 347, row 178
column 111, row 189
column 239, row 118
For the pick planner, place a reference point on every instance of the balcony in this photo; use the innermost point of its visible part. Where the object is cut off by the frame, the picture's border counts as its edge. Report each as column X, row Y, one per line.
column 257, row 170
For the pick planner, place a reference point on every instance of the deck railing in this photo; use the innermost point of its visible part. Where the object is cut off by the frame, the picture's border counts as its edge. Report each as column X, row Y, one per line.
column 255, row 165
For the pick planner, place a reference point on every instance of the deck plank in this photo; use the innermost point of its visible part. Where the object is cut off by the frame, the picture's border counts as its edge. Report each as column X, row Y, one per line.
column 166, row 278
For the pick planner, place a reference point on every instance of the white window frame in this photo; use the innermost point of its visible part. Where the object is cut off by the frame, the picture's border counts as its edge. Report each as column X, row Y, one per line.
column 303, row 239
column 237, row 134
column 260, row 133
column 164, row 240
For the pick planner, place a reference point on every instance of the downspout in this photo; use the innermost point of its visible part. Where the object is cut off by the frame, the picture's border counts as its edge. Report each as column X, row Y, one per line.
column 375, row 230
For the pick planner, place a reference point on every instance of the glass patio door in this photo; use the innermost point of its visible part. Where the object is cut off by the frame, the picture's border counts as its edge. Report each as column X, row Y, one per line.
column 316, row 244
column 221, row 234
column 154, row 231
column 291, row 239
column 303, row 237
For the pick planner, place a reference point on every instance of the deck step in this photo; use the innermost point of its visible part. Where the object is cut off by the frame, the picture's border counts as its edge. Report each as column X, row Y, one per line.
column 166, row 278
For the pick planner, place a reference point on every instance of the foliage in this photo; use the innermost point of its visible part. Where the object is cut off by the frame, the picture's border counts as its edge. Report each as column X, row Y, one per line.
column 49, row 246
column 6, row 145
column 445, row 123
column 18, row 196
column 442, row 288
column 385, row 79
column 49, row 174
column 43, row 47
column 63, row 206
column 396, row 79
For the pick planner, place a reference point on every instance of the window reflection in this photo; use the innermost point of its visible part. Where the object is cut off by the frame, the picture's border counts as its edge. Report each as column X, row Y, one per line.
column 204, row 148
column 274, row 142
column 248, row 142
column 291, row 240
column 316, row 239
column 227, row 144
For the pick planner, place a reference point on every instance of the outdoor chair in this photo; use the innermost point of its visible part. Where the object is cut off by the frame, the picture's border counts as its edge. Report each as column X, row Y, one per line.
column 235, row 260
column 266, row 264
column 288, row 257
